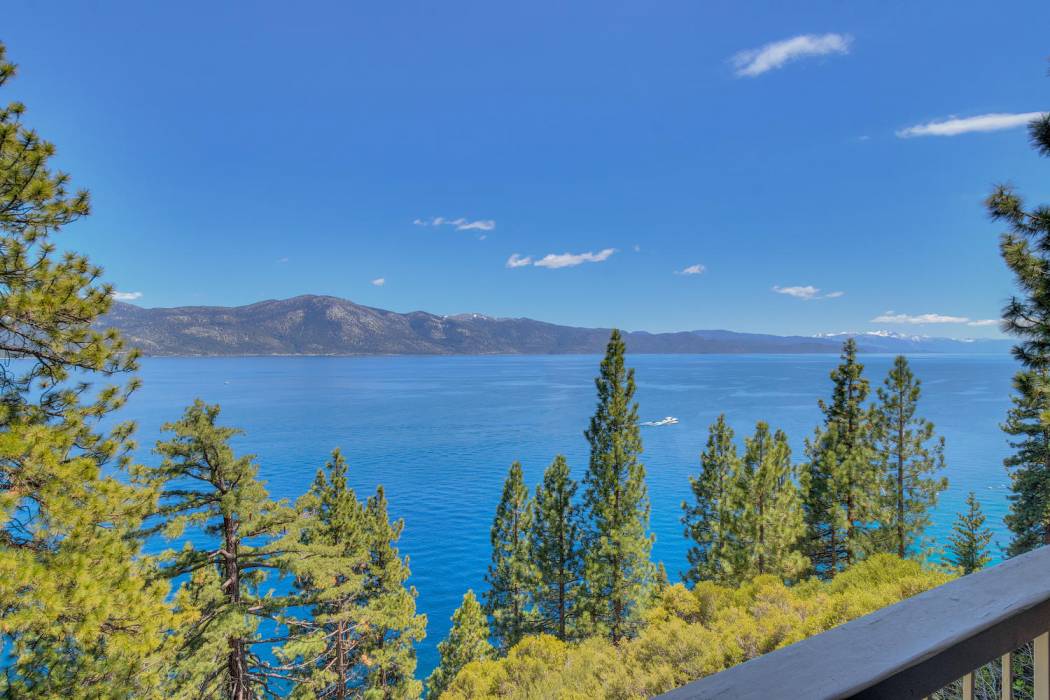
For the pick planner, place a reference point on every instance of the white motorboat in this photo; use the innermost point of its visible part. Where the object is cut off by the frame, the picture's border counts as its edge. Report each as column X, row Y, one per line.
column 667, row 420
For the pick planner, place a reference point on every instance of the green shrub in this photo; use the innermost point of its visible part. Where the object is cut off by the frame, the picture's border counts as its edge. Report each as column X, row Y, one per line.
column 689, row 634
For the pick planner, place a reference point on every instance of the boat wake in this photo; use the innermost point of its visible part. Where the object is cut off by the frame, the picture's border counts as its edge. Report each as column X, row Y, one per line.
column 669, row 420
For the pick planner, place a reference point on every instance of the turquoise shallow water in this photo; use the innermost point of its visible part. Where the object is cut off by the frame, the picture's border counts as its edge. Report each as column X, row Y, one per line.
column 440, row 432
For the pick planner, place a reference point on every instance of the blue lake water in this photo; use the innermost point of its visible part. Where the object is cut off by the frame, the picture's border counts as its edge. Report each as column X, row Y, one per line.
column 439, row 433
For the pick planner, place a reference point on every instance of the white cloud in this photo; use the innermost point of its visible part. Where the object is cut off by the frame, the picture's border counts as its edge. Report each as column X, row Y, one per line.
column 282, row 260
column 754, row 62
column 516, row 260
column 555, row 261
column 806, row 293
column 984, row 322
column 127, row 296
column 692, row 270
column 918, row 319
column 378, row 281
column 481, row 225
column 459, row 224
column 982, row 122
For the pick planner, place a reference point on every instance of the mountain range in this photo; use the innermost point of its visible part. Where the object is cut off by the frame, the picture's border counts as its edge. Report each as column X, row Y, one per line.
column 324, row 325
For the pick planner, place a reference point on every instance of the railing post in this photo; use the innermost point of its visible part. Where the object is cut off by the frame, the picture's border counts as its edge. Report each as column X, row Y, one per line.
column 967, row 686
column 1006, row 689
column 1042, row 666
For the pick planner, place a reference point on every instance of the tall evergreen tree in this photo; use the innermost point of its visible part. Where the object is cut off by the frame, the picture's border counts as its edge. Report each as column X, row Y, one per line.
column 248, row 540
column 968, row 543
column 709, row 520
column 393, row 625
column 358, row 640
column 467, row 641
column 511, row 575
column 556, row 550
column 1026, row 423
column 906, row 460
column 324, row 654
column 617, row 567
column 78, row 613
column 1026, row 250
column 771, row 522
column 841, row 480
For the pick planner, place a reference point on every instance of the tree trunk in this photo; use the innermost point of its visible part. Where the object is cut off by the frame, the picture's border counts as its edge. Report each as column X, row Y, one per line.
column 1046, row 467
column 900, row 478
column 761, row 535
column 340, row 662
column 562, row 571
column 834, row 550
column 236, row 663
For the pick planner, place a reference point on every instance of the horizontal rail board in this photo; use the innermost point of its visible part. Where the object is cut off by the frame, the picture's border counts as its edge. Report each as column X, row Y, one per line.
column 905, row 650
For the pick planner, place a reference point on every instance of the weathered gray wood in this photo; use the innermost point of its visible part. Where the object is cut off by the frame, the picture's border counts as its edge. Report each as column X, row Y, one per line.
column 905, row 651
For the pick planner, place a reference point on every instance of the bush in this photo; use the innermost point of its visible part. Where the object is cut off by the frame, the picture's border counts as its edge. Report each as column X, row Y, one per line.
column 689, row 634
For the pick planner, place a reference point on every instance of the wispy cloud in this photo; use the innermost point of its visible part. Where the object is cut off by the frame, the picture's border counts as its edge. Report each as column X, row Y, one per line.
column 378, row 281
column 127, row 296
column 554, row 261
column 965, row 125
column 485, row 225
column 755, row 62
column 516, row 260
column 806, row 293
column 923, row 319
column 697, row 269
column 460, row 224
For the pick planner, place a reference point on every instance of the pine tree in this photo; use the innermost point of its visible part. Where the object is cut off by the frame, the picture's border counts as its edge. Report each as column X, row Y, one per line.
column 841, row 481
column 467, row 641
column 556, row 550
column 661, row 582
column 80, row 613
column 906, row 461
column 969, row 542
column 360, row 634
column 1026, row 251
column 617, row 568
column 709, row 519
column 771, row 522
column 248, row 540
column 1029, row 516
column 393, row 625
column 511, row 575
column 324, row 653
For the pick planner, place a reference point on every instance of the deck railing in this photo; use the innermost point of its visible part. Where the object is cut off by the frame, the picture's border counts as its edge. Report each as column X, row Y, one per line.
column 911, row 649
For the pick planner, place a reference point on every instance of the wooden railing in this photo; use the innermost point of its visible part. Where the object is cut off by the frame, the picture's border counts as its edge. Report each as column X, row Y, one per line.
column 912, row 649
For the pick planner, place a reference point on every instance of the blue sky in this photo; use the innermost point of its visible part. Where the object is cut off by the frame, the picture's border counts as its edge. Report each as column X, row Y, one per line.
column 562, row 161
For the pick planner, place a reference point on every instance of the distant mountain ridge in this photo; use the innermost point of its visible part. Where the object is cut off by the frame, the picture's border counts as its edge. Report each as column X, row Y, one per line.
column 324, row 325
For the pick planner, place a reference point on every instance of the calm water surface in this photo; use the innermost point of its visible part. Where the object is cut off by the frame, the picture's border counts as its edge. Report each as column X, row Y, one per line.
column 439, row 433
